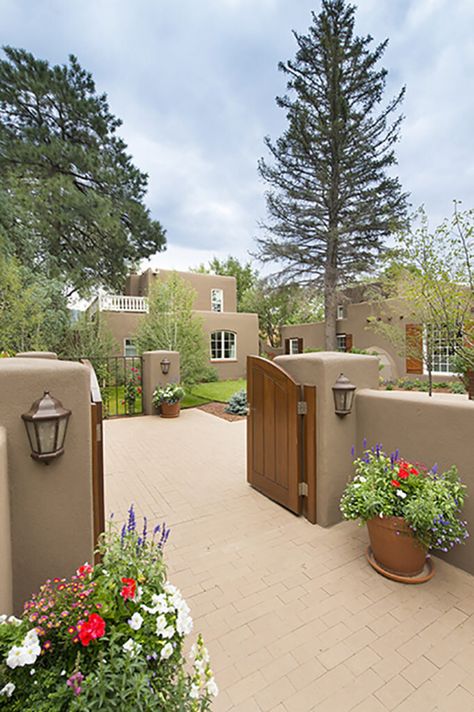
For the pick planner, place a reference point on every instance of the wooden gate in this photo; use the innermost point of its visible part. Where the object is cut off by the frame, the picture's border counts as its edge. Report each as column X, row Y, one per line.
column 281, row 437
column 97, row 456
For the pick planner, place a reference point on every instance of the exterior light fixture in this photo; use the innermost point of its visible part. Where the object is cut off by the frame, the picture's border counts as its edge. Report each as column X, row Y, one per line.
column 46, row 424
column 165, row 366
column 343, row 391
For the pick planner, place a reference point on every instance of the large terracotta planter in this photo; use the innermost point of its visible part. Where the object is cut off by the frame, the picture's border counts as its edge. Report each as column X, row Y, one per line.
column 394, row 546
column 170, row 410
column 470, row 384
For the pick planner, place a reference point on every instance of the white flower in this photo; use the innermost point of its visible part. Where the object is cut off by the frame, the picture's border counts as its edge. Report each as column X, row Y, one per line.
column 31, row 638
column 135, row 622
column 161, row 625
column 362, row 479
column 200, row 666
column 169, row 588
column 212, row 687
column 63, row 672
column 194, row 651
column 3, row 619
column 184, row 623
column 32, row 671
column 138, row 594
column 401, row 493
column 15, row 657
column 14, row 621
column 194, row 693
column 166, row 651
column 8, row 690
column 30, row 653
column 356, row 484
column 168, row 632
column 160, row 604
column 131, row 647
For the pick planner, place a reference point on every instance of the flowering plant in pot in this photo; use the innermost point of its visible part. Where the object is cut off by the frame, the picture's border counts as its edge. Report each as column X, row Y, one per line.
column 110, row 637
column 167, row 399
column 409, row 509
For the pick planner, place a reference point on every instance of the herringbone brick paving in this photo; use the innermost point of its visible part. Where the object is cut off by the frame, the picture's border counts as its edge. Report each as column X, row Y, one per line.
column 294, row 617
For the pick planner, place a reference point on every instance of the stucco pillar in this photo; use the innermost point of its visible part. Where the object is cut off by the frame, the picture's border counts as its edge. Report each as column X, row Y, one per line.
column 335, row 435
column 152, row 375
column 37, row 354
column 6, row 600
column 50, row 505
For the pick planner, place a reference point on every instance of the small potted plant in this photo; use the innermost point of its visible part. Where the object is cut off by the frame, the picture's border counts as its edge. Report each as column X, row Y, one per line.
column 409, row 510
column 167, row 399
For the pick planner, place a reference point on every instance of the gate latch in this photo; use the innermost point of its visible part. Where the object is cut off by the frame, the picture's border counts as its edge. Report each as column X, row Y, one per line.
column 302, row 408
column 303, row 489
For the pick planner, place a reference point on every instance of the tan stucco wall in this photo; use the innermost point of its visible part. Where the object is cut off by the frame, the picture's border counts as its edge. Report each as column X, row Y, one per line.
column 246, row 328
column 139, row 285
column 51, row 506
column 122, row 325
column 428, row 430
column 335, row 435
column 6, row 601
column 153, row 377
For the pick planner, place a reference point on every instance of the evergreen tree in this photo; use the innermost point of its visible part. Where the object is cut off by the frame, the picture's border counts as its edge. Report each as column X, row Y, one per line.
column 332, row 200
column 71, row 201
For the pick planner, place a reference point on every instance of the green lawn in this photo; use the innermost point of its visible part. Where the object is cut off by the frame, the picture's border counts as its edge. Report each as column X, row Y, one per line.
column 112, row 401
column 219, row 391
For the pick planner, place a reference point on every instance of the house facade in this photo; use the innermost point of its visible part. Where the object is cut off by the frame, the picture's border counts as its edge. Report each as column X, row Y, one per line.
column 231, row 335
column 356, row 331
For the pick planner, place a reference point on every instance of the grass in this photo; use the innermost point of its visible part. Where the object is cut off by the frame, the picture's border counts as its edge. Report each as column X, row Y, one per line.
column 112, row 403
column 219, row 391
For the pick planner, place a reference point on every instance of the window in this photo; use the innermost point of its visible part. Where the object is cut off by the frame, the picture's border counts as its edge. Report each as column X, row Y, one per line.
column 340, row 312
column 341, row 342
column 129, row 348
column 442, row 352
column 294, row 346
column 223, row 345
column 217, row 300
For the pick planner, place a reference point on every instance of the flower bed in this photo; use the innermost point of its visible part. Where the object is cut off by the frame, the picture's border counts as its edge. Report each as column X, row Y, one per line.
column 111, row 637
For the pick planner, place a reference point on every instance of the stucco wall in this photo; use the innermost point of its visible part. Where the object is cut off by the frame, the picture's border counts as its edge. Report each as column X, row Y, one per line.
column 6, row 602
column 51, row 506
column 246, row 328
column 428, row 430
column 153, row 376
column 122, row 325
column 139, row 285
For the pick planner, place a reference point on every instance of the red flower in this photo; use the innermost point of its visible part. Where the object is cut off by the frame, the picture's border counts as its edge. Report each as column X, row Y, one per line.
column 403, row 474
column 91, row 629
column 84, row 570
column 128, row 590
column 395, row 483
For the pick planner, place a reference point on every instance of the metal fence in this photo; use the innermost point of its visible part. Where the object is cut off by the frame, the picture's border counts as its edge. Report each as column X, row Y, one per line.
column 120, row 383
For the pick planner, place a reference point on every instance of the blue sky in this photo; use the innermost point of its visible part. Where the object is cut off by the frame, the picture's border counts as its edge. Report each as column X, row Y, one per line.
column 195, row 83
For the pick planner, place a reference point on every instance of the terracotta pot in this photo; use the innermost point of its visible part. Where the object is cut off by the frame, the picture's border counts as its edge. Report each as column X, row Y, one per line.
column 170, row 410
column 470, row 384
column 394, row 546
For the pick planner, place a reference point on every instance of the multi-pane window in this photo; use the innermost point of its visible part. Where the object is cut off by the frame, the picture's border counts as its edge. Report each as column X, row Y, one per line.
column 340, row 312
column 294, row 346
column 223, row 345
column 217, row 300
column 442, row 351
column 129, row 348
column 341, row 342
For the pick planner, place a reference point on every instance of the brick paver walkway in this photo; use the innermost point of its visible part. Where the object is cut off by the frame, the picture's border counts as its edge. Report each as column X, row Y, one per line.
column 294, row 617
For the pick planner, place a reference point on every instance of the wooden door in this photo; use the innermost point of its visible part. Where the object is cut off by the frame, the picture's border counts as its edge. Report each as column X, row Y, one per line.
column 273, row 433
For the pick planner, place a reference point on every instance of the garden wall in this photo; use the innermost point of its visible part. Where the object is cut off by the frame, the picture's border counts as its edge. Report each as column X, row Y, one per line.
column 428, row 430
column 5, row 535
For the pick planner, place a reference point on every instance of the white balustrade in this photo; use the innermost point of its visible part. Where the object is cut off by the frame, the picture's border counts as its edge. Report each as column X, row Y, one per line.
column 123, row 303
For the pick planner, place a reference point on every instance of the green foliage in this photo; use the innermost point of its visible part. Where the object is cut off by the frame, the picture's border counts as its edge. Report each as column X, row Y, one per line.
column 132, row 390
column 417, row 384
column 71, row 200
column 110, row 638
column 90, row 338
column 238, row 404
column 388, row 486
column 333, row 197
column 245, row 274
column 34, row 315
column 171, row 393
column 220, row 391
column 280, row 305
column 171, row 325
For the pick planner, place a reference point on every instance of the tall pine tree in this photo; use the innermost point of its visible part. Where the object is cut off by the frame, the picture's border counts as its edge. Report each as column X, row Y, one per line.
column 332, row 201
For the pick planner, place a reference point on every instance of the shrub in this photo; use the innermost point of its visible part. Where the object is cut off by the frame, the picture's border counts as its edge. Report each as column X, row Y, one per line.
column 457, row 387
column 110, row 637
column 238, row 403
column 210, row 375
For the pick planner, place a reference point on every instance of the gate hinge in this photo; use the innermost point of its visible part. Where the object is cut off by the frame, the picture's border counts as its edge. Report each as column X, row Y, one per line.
column 98, row 432
column 302, row 408
column 303, row 489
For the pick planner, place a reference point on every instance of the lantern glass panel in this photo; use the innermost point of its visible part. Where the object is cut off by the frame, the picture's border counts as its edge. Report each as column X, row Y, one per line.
column 47, row 436
column 62, row 425
column 32, row 435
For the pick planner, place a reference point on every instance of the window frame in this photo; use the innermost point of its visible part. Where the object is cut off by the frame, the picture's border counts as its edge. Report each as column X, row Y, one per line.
column 220, row 303
column 340, row 312
column 131, row 343
column 447, row 357
column 341, row 336
column 223, row 358
column 292, row 340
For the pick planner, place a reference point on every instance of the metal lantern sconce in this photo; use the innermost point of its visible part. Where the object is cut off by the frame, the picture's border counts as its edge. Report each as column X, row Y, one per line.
column 46, row 425
column 165, row 366
column 343, row 391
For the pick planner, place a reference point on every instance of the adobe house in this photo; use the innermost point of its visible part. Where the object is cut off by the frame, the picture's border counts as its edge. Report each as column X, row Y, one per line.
column 354, row 314
column 232, row 335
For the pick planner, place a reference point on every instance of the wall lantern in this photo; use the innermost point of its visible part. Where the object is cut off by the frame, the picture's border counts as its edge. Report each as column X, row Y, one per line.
column 165, row 366
column 46, row 424
column 343, row 391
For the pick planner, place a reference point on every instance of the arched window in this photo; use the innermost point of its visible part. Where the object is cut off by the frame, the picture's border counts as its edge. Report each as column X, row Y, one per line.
column 223, row 345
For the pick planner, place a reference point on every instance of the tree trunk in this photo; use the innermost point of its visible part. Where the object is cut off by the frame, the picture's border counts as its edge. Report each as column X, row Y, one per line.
column 330, row 309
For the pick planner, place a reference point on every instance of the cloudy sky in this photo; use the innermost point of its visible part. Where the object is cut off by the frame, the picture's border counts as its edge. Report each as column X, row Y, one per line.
column 195, row 83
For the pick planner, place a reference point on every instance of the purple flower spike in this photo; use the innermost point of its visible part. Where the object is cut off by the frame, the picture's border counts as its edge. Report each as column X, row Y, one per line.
column 353, row 451
column 132, row 524
column 122, row 534
column 434, row 469
column 364, row 443
column 145, row 529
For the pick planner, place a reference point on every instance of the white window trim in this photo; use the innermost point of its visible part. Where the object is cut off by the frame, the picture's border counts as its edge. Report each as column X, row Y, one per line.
column 340, row 312
column 345, row 343
column 128, row 338
column 425, row 370
column 221, row 294
column 223, row 360
column 292, row 340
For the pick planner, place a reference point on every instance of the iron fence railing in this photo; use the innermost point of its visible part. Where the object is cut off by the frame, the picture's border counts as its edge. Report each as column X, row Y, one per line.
column 120, row 383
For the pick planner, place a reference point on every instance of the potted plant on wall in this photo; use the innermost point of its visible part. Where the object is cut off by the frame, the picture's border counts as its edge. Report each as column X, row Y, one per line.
column 409, row 510
column 168, row 399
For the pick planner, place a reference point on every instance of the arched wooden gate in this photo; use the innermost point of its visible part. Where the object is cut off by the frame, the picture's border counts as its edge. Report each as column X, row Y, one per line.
column 281, row 437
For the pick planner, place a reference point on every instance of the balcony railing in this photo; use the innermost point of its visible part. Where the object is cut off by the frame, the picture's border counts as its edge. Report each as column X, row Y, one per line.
column 122, row 303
